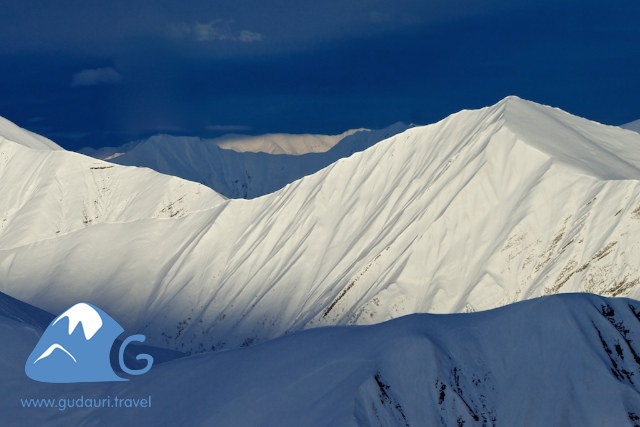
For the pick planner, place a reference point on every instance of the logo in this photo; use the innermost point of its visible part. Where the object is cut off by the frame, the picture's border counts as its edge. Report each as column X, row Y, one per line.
column 75, row 348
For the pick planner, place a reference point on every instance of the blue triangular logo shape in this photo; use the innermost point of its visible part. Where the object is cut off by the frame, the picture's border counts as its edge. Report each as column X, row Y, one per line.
column 75, row 348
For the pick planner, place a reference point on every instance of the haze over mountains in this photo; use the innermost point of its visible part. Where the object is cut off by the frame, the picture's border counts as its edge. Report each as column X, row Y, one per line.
column 482, row 209
column 239, row 166
column 282, row 143
column 278, row 143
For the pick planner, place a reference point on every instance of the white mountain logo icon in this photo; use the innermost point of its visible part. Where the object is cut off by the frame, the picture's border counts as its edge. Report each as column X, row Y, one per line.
column 76, row 347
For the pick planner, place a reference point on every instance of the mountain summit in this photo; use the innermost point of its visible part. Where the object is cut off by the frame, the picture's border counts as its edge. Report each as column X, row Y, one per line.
column 578, row 143
column 479, row 210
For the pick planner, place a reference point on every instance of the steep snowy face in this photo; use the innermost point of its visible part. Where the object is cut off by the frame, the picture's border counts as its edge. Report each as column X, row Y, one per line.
column 237, row 173
column 587, row 147
column 11, row 132
column 568, row 360
column 48, row 193
column 482, row 209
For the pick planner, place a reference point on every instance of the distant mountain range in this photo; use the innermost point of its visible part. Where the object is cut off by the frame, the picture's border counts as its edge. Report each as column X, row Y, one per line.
column 273, row 143
column 483, row 209
column 239, row 166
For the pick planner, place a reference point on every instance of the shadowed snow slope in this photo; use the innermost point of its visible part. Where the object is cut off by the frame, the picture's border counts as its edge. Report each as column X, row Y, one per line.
column 482, row 209
column 569, row 360
column 244, row 174
column 634, row 126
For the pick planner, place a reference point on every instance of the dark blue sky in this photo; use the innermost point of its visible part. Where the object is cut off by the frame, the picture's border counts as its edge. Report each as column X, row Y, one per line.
column 97, row 73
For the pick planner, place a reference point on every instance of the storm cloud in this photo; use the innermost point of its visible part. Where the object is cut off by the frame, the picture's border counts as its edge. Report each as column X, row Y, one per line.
column 119, row 70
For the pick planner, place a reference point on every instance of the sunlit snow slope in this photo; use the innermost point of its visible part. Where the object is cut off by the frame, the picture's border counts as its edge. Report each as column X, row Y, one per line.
column 484, row 208
column 563, row 360
column 238, row 174
column 47, row 192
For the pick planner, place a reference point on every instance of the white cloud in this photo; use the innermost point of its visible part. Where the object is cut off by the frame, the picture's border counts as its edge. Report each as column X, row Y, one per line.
column 96, row 76
column 249, row 36
column 217, row 30
column 211, row 31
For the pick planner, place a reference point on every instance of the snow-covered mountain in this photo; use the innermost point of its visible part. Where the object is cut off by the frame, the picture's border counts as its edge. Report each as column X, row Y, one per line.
column 226, row 165
column 569, row 360
column 271, row 143
column 48, row 192
column 482, row 209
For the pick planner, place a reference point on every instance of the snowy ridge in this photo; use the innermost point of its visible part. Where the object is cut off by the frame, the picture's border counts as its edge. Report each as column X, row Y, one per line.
column 11, row 132
column 482, row 209
column 45, row 194
column 108, row 153
column 568, row 360
column 243, row 174
column 586, row 146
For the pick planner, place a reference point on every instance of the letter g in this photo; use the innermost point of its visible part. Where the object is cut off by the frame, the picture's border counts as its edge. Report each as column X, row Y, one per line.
column 147, row 357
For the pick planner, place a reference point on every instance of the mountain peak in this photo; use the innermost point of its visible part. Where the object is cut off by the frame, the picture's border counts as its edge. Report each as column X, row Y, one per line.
column 514, row 99
column 604, row 152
